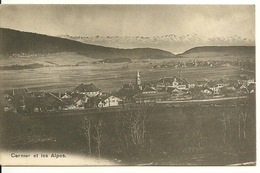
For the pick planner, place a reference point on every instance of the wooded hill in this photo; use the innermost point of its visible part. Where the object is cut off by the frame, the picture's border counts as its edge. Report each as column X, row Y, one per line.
column 17, row 42
column 220, row 51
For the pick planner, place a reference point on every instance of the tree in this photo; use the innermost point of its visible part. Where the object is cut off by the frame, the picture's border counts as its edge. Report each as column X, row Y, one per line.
column 130, row 128
column 98, row 137
column 224, row 120
column 244, row 118
column 137, row 127
column 199, row 135
column 87, row 131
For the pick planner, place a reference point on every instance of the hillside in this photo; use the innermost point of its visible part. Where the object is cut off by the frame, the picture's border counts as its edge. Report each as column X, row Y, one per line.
column 220, row 51
column 17, row 42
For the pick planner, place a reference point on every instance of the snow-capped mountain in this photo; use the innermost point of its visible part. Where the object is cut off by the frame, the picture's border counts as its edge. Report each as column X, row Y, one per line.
column 173, row 43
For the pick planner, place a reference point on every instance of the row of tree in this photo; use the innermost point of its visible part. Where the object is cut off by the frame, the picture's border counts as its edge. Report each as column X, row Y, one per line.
column 129, row 131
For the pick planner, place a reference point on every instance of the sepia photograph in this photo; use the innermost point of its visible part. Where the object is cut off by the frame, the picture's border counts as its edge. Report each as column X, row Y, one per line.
column 127, row 85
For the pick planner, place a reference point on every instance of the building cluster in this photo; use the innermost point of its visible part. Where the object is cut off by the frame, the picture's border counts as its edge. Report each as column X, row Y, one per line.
column 82, row 97
column 176, row 88
column 88, row 96
column 207, row 63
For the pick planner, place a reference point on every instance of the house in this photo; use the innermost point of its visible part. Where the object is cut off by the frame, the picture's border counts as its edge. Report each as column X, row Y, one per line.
column 207, row 91
column 65, row 96
column 229, row 90
column 242, row 79
column 16, row 92
column 175, row 91
column 93, row 102
column 246, row 80
column 70, row 102
column 89, row 89
column 76, row 96
column 8, row 98
column 127, row 92
column 148, row 90
column 201, row 83
column 222, row 83
column 191, row 85
column 172, row 82
column 81, row 101
column 16, row 97
column 110, row 101
column 251, row 88
column 39, row 94
column 242, row 89
column 73, row 100
column 48, row 102
column 178, row 94
column 213, row 86
column 250, row 81
column 62, row 95
column 215, row 90
column 231, row 87
column 7, row 106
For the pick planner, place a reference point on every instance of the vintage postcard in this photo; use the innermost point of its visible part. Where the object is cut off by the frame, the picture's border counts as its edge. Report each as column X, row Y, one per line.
column 127, row 85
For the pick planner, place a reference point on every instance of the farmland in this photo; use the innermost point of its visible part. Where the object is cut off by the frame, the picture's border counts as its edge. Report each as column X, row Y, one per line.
column 60, row 72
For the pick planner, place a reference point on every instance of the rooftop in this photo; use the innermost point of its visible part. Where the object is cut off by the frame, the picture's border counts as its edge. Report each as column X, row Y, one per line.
column 172, row 79
column 86, row 88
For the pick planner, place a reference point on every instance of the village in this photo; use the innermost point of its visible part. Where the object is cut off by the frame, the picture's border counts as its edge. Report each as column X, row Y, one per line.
column 248, row 64
column 89, row 96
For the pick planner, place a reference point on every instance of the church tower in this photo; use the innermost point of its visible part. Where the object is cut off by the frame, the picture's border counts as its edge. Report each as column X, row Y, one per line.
column 138, row 81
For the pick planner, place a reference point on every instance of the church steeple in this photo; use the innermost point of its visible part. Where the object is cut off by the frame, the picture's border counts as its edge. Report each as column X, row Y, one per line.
column 138, row 80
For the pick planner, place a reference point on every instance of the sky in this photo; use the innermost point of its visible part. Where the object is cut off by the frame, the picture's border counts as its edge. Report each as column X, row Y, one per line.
column 131, row 20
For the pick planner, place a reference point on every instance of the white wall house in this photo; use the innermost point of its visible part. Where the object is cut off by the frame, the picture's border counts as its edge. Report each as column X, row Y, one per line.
column 149, row 90
column 172, row 82
column 110, row 101
column 249, row 81
column 66, row 96
column 92, row 93
column 192, row 85
column 82, row 101
column 215, row 89
column 181, row 87
column 207, row 91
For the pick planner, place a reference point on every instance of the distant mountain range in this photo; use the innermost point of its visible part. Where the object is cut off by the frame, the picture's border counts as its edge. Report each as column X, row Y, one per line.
column 172, row 43
column 17, row 42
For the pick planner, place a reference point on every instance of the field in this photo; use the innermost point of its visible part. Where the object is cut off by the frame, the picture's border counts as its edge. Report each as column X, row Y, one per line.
column 61, row 73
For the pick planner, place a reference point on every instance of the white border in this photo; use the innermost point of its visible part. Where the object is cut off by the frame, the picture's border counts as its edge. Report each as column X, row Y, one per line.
column 157, row 169
column 128, row 1
column 160, row 169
